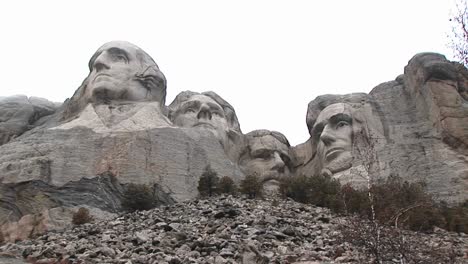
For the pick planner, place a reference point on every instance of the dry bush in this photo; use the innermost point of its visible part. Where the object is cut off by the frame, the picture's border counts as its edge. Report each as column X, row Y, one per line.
column 386, row 244
column 458, row 38
column 138, row 197
column 82, row 216
column 208, row 182
column 394, row 202
column 354, row 201
column 227, row 185
column 456, row 217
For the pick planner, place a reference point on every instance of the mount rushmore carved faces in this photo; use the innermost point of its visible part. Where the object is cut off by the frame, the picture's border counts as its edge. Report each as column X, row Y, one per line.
column 333, row 135
column 266, row 154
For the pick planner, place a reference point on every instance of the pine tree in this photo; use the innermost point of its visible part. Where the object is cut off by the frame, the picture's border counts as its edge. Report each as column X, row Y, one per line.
column 208, row 183
column 252, row 186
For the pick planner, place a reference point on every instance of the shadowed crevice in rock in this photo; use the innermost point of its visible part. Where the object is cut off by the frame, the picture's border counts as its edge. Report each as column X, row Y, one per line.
column 103, row 192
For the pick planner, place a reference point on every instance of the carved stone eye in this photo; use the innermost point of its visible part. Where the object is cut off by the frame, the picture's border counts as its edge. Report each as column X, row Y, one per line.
column 342, row 124
column 189, row 110
column 217, row 113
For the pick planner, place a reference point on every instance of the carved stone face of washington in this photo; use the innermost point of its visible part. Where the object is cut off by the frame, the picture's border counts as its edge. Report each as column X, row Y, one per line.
column 120, row 71
column 333, row 131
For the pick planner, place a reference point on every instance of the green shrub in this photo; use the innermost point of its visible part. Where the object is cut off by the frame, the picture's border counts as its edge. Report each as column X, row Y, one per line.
column 138, row 197
column 227, row 185
column 251, row 186
column 318, row 190
column 82, row 216
column 208, row 183
column 296, row 188
column 325, row 192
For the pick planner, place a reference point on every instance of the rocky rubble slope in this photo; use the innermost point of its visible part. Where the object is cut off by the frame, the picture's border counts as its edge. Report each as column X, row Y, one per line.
column 217, row 230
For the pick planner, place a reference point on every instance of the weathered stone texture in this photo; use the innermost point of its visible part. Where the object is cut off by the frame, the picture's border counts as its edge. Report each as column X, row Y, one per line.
column 116, row 130
column 414, row 127
column 19, row 114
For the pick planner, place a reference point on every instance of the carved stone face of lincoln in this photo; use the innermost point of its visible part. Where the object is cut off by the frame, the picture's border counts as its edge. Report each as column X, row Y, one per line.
column 120, row 71
column 333, row 132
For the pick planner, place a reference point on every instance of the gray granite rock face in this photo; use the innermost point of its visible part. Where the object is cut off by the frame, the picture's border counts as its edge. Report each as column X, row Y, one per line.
column 112, row 132
column 414, row 127
column 116, row 130
column 19, row 114
column 172, row 158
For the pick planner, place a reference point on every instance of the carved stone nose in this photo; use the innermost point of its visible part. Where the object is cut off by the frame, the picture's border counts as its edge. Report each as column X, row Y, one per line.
column 101, row 63
column 278, row 162
column 204, row 112
column 327, row 136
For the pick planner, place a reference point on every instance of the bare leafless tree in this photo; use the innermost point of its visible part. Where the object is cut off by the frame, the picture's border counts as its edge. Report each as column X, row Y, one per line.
column 458, row 37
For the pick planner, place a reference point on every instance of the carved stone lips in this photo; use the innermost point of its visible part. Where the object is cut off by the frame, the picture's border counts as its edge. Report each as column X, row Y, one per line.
column 101, row 75
column 333, row 152
column 203, row 124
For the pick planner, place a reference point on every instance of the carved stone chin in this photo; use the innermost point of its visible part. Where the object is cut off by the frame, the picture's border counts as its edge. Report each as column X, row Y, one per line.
column 340, row 163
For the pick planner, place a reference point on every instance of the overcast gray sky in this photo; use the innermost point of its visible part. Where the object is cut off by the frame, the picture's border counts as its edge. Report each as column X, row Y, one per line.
column 269, row 59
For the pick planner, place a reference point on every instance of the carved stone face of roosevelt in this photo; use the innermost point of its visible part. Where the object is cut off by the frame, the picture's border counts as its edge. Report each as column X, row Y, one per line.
column 333, row 132
column 121, row 71
column 202, row 112
column 267, row 157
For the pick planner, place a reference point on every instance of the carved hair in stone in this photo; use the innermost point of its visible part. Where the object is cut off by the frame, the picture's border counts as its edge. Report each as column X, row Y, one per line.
column 119, row 72
column 267, row 154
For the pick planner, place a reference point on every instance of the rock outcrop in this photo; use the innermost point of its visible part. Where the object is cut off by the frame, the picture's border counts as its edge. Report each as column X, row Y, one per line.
column 19, row 114
column 112, row 132
column 116, row 129
column 414, row 127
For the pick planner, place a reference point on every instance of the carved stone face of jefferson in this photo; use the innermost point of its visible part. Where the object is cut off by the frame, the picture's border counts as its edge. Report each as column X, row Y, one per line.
column 333, row 132
column 120, row 71
column 203, row 112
